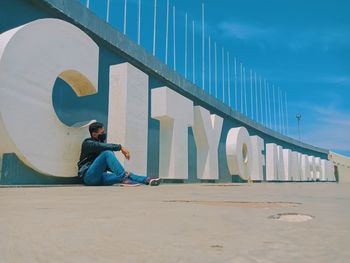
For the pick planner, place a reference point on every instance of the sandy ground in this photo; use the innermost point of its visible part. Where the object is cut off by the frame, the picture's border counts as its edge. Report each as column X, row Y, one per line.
column 176, row 223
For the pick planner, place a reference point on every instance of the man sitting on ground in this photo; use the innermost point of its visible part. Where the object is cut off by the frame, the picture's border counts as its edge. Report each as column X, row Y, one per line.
column 98, row 164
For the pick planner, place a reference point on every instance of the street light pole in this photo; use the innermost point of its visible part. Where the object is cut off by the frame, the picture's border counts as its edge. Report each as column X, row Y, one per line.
column 298, row 116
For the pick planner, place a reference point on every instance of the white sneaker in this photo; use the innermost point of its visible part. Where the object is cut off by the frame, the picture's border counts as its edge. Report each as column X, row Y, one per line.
column 154, row 182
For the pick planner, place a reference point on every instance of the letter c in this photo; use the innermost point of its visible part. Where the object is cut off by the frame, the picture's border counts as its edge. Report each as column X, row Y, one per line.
column 32, row 56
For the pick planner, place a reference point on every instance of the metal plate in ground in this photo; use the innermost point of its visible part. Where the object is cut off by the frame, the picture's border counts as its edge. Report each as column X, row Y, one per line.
column 292, row 217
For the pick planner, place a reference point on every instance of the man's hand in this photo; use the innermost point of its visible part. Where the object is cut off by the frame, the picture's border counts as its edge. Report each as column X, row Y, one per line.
column 125, row 152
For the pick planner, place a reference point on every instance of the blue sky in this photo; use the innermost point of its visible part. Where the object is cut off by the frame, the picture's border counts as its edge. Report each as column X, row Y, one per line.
column 301, row 46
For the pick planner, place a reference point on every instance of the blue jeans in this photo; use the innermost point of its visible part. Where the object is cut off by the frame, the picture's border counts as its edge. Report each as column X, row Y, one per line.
column 97, row 173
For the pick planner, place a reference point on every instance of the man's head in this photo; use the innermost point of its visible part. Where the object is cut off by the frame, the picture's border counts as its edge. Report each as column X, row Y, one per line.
column 97, row 131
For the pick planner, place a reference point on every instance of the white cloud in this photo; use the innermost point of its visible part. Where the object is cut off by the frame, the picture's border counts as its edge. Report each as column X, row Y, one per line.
column 330, row 137
column 342, row 80
column 243, row 31
column 293, row 38
column 329, row 129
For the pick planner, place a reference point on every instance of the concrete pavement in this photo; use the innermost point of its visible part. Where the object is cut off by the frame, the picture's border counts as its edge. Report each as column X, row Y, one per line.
column 175, row 223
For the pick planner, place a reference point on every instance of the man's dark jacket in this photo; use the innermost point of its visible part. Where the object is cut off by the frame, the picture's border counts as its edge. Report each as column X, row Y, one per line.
column 90, row 150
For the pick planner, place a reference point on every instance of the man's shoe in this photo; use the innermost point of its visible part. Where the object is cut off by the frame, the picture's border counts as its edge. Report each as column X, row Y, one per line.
column 154, row 181
column 128, row 182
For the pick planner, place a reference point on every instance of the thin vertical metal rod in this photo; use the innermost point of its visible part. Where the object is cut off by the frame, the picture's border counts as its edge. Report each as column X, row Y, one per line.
column 139, row 25
column 282, row 118
column 235, row 75
column 279, row 110
column 261, row 103
column 186, row 45
column 193, row 56
column 154, row 27
column 245, row 94
column 298, row 119
column 88, row 3
column 269, row 104
column 107, row 15
column 125, row 13
column 174, row 35
column 282, row 112
column 251, row 94
column 209, row 67
column 286, row 105
column 256, row 98
column 203, row 49
column 216, row 69
column 242, row 98
column 274, row 106
column 228, row 79
column 265, row 92
column 223, row 74
column 167, row 33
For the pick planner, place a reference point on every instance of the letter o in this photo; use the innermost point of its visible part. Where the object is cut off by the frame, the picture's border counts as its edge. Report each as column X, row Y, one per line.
column 239, row 152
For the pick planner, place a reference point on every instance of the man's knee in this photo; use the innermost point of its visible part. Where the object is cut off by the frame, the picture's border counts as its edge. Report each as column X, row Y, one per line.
column 107, row 154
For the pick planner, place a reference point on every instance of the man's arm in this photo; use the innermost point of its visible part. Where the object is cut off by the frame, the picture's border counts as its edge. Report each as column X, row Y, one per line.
column 98, row 147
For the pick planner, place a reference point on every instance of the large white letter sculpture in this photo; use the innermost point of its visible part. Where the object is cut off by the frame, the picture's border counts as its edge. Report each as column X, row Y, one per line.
column 207, row 132
column 296, row 166
column 239, row 153
column 258, row 158
column 175, row 114
column 305, row 168
column 318, row 169
column 32, row 56
column 312, row 168
column 328, row 170
column 128, row 114
column 274, row 162
column 288, row 162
